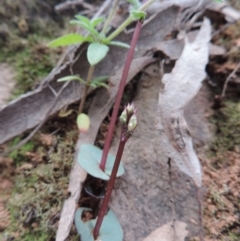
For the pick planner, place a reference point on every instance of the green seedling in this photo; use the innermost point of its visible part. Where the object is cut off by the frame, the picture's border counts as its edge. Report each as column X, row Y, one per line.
column 97, row 82
column 129, row 122
column 96, row 162
column 98, row 42
column 106, row 226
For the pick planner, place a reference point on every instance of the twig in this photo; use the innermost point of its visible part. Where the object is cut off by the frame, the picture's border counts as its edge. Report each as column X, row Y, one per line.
column 200, row 215
column 228, row 79
column 25, row 140
column 102, row 8
column 87, row 85
column 71, row 4
column 110, row 16
column 172, row 198
column 220, row 30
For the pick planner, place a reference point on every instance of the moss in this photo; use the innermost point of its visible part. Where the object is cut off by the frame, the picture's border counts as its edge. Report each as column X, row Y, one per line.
column 234, row 236
column 227, row 122
column 36, row 201
column 31, row 62
column 18, row 155
column 24, row 34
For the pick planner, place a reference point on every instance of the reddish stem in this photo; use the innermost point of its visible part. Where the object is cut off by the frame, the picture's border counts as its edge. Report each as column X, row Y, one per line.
column 119, row 95
column 110, row 186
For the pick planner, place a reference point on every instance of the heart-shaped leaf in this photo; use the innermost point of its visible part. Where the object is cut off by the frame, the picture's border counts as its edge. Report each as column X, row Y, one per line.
column 110, row 229
column 89, row 157
column 96, row 52
column 69, row 39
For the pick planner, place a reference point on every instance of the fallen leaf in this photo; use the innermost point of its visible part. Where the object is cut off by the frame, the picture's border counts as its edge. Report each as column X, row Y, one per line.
column 65, row 113
column 46, row 139
column 30, row 109
column 25, row 166
column 169, row 232
column 237, row 42
column 180, row 87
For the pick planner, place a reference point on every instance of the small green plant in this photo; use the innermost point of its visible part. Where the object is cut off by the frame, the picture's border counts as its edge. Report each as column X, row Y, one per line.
column 98, row 43
column 96, row 162
column 89, row 158
column 104, row 167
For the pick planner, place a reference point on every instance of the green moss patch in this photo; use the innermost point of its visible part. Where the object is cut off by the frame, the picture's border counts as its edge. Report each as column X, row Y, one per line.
column 227, row 122
column 40, row 189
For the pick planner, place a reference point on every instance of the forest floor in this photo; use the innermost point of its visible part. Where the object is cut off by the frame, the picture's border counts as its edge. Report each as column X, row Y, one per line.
column 34, row 179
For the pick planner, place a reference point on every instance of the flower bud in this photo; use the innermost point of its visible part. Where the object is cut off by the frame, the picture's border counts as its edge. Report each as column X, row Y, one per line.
column 123, row 117
column 83, row 122
column 132, row 123
column 130, row 109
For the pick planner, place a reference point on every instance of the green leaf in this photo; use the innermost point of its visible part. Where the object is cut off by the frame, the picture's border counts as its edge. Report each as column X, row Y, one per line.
column 110, row 229
column 96, row 52
column 136, row 4
column 89, row 158
column 70, row 78
column 84, row 230
column 102, row 85
column 89, row 28
column 97, row 82
column 138, row 14
column 96, row 21
column 69, row 39
column 83, row 19
column 64, row 113
column 120, row 44
column 89, row 38
column 100, row 78
column 83, row 122
column 95, row 85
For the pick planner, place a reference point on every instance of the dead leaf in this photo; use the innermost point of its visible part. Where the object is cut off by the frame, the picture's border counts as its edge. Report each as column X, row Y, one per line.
column 23, row 167
column 7, row 82
column 169, row 232
column 46, row 139
column 4, row 217
column 65, row 113
column 237, row 42
column 173, row 48
column 231, row 14
column 180, row 87
column 30, row 109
